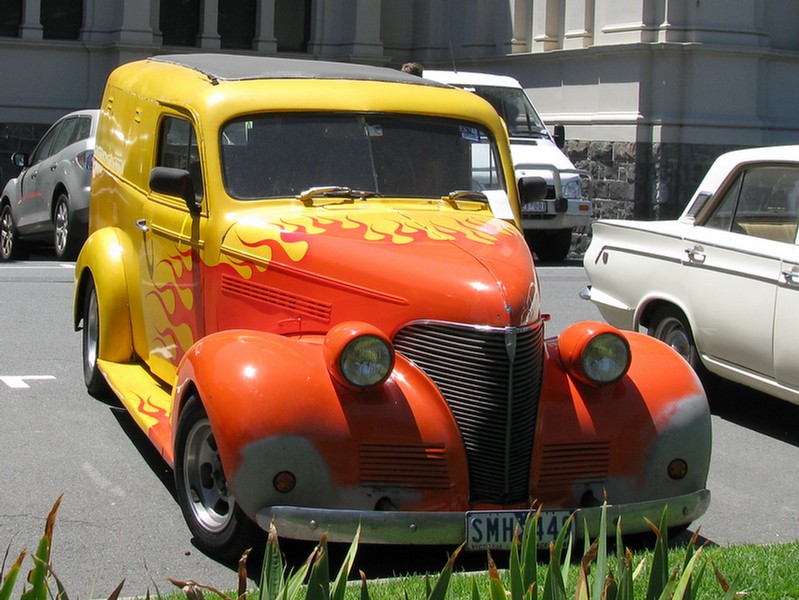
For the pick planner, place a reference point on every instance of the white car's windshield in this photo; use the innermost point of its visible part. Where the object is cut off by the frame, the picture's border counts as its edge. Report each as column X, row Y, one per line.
column 362, row 155
column 515, row 107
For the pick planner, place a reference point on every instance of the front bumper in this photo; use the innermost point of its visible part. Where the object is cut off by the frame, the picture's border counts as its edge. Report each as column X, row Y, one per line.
column 449, row 528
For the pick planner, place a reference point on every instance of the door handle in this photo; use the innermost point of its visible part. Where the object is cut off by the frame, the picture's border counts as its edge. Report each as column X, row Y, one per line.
column 141, row 225
column 791, row 275
column 53, row 167
column 696, row 254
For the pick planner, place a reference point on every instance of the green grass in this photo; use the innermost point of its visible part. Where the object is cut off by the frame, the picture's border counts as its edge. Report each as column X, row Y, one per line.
column 761, row 572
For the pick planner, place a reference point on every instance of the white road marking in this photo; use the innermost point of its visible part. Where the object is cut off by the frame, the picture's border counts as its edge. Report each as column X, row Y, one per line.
column 18, row 381
column 101, row 481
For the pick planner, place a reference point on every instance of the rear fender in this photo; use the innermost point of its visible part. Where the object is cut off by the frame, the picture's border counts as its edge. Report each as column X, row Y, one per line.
column 102, row 260
column 626, row 434
column 275, row 408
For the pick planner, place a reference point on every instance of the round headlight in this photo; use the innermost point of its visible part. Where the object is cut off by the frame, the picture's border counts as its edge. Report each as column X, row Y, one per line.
column 594, row 353
column 366, row 361
column 358, row 354
column 605, row 358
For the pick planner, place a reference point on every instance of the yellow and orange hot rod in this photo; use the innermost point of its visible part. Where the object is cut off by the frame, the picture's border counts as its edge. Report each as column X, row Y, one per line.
column 307, row 284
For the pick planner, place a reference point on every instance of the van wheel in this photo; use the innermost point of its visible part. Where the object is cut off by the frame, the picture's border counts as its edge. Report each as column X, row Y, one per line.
column 219, row 526
column 95, row 382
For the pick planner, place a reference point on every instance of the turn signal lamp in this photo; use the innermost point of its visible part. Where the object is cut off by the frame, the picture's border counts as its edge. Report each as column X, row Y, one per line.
column 358, row 355
column 594, row 353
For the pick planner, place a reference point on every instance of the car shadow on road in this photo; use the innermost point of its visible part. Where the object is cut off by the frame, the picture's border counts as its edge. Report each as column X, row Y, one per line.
column 756, row 411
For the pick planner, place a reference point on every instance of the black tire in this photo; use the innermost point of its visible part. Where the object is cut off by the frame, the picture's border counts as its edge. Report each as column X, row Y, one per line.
column 669, row 325
column 9, row 240
column 553, row 245
column 220, row 528
column 95, row 382
column 64, row 240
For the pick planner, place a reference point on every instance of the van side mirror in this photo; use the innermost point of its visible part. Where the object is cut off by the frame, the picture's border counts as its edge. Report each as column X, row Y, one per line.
column 559, row 134
column 177, row 183
column 532, row 189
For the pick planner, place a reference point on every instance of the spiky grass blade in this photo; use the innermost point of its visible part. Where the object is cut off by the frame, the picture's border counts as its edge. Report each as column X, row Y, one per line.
column 37, row 577
column 11, row 577
column 600, row 575
column 319, row 580
column 272, row 570
column 659, row 574
column 340, row 585
column 439, row 591
column 496, row 590
column 530, row 554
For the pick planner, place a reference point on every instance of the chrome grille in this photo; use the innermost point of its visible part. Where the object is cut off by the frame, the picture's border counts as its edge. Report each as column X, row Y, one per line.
column 491, row 380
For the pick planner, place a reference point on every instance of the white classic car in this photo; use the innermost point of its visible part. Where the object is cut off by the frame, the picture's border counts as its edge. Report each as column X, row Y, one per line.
column 721, row 283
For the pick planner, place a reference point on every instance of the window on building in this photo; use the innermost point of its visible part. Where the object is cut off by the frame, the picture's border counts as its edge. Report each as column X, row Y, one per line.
column 237, row 23
column 292, row 25
column 179, row 21
column 10, row 17
column 61, row 19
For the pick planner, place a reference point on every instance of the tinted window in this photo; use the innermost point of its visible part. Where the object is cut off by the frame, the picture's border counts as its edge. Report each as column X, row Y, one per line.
column 513, row 105
column 61, row 19
column 177, row 148
column 44, row 149
column 10, row 17
column 281, row 156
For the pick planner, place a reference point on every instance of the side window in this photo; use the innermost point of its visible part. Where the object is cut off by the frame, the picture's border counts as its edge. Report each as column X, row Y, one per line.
column 44, row 149
column 177, row 148
column 64, row 136
column 763, row 203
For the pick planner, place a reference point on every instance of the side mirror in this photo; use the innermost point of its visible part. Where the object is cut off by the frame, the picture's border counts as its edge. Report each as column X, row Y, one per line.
column 20, row 159
column 532, row 189
column 177, row 183
column 559, row 134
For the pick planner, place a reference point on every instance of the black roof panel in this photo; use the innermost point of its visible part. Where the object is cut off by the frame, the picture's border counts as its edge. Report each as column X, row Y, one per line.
column 231, row 67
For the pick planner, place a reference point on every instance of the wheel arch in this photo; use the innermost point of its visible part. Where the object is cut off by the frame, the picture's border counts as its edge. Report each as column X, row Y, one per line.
column 59, row 187
column 104, row 252
column 650, row 306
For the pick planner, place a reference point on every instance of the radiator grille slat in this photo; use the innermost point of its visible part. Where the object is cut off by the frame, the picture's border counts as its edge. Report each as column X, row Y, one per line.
column 494, row 399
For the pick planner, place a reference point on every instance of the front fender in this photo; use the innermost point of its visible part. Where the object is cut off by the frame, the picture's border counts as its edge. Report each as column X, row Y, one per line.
column 626, row 435
column 275, row 409
column 102, row 260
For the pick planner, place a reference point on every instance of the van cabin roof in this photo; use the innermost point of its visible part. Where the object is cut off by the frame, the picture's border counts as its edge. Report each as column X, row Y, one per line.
column 228, row 67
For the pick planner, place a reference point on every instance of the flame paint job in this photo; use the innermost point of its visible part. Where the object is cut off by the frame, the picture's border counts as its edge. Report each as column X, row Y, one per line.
column 233, row 304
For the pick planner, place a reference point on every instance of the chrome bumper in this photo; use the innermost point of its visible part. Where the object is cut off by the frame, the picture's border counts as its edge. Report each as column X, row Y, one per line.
column 449, row 528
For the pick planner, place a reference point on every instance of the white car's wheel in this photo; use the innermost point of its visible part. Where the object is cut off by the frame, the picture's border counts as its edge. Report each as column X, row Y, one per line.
column 670, row 325
column 8, row 235
column 66, row 245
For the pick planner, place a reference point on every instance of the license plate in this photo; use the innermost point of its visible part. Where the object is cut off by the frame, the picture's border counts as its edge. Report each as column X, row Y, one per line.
column 494, row 529
column 539, row 206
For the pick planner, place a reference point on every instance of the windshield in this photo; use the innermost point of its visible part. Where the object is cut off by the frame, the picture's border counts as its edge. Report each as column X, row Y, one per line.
column 269, row 156
column 515, row 107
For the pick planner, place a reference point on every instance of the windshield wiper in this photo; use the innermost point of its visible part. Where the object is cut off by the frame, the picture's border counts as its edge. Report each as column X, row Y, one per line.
column 334, row 191
column 466, row 195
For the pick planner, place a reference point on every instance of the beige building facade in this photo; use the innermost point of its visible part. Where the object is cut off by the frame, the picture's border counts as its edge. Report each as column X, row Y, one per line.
column 650, row 91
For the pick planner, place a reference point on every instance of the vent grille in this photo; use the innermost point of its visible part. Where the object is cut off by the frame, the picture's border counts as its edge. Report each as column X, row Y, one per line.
column 493, row 393
column 404, row 466
column 294, row 303
column 564, row 465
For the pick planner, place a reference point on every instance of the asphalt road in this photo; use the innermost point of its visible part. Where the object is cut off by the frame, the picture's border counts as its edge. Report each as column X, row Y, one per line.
column 119, row 520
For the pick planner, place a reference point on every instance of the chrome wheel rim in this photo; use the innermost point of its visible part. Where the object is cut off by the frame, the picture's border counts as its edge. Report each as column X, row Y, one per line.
column 672, row 332
column 6, row 233
column 209, row 498
column 91, row 332
column 61, row 226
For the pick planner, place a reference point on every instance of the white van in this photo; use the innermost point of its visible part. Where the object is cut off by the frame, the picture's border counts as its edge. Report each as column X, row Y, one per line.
column 548, row 223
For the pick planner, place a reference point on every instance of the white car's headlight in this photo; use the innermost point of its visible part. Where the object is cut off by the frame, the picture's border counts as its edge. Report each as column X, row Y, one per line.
column 358, row 355
column 594, row 353
column 572, row 188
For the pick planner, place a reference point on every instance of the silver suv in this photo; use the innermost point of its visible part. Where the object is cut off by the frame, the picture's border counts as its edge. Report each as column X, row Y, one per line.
column 49, row 200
